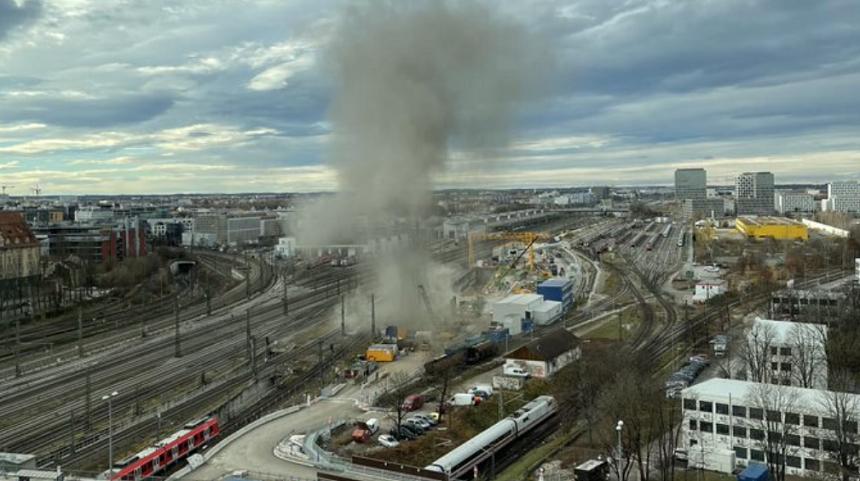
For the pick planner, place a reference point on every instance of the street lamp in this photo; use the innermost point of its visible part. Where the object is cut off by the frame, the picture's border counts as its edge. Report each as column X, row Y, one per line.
column 109, row 398
column 618, row 428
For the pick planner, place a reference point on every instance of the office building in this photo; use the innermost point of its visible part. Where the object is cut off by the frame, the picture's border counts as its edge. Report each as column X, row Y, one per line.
column 743, row 416
column 690, row 184
column 755, row 194
column 691, row 191
column 843, row 196
column 794, row 203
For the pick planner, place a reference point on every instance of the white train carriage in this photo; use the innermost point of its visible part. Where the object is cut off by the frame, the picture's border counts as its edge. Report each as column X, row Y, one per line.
column 461, row 460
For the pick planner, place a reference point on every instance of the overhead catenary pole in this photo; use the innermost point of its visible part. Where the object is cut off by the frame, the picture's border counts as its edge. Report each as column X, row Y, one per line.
column 322, row 365
column 72, row 431
column 17, row 347
column 253, row 354
column 342, row 317
column 178, row 348
column 286, row 300
column 248, row 332
column 80, row 333
column 88, row 419
column 372, row 317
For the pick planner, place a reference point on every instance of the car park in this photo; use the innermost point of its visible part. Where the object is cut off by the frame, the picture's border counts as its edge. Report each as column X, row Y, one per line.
column 388, row 441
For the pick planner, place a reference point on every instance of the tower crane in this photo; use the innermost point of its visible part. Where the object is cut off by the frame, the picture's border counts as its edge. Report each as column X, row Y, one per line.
column 527, row 238
column 37, row 189
column 4, row 187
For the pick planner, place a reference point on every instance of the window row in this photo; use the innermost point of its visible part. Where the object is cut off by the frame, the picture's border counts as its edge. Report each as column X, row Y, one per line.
column 809, row 442
column 796, row 419
column 809, row 464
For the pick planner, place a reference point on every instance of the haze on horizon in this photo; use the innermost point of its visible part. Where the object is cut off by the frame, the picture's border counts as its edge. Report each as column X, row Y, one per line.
column 109, row 96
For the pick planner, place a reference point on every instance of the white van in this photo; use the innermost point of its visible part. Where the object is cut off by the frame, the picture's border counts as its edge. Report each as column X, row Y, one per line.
column 481, row 387
column 372, row 425
column 461, row 399
column 515, row 371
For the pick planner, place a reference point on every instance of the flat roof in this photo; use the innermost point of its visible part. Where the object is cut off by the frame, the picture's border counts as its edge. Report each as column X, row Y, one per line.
column 767, row 220
column 739, row 392
column 521, row 299
column 15, row 458
column 546, row 306
column 782, row 329
column 555, row 283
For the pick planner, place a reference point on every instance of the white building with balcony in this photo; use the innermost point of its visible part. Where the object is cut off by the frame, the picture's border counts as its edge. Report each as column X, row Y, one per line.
column 721, row 414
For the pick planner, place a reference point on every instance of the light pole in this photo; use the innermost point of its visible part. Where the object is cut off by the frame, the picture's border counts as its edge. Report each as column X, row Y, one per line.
column 618, row 428
column 109, row 398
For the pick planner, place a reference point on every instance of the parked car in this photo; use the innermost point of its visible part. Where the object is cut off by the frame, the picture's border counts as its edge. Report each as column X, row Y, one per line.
column 402, row 434
column 515, row 371
column 482, row 387
column 484, row 395
column 425, row 425
column 416, row 424
column 360, row 435
column 434, row 416
column 427, row 418
column 413, row 402
column 388, row 441
column 417, row 431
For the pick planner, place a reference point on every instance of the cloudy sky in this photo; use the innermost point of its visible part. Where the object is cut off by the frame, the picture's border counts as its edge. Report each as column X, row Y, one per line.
column 162, row 96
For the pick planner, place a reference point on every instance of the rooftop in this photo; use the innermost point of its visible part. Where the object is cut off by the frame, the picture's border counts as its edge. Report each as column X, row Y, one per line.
column 14, row 231
column 739, row 393
column 555, row 283
column 521, row 299
column 550, row 346
column 767, row 220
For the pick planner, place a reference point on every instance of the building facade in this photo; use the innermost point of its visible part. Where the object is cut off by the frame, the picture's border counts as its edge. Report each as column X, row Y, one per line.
column 762, row 423
column 20, row 251
column 842, row 196
column 777, row 228
column 690, row 184
column 788, row 353
column 755, row 193
column 794, row 202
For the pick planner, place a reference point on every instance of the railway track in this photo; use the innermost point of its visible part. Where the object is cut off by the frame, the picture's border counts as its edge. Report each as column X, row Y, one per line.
column 150, row 369
column 155, row 316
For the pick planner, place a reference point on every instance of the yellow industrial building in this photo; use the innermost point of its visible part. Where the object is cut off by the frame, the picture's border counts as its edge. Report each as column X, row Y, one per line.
column 777, row 228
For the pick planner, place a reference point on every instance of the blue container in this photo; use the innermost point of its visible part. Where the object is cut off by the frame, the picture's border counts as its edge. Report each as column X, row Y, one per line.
column 559, row 290
column 754, row 472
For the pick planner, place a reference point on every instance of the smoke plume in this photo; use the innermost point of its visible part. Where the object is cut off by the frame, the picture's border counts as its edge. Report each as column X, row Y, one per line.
column 415, row 80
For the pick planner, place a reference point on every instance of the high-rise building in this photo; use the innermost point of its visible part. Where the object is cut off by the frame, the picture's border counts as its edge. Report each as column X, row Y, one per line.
column 691, row 190
column 755, row 194
column 795, row 202
column 690, row 184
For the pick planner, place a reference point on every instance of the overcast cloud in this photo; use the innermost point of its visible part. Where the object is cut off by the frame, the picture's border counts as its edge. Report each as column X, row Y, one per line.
column 159, row 96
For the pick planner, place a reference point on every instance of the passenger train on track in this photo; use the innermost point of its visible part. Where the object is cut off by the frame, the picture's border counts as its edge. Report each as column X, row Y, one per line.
column 460, row 462
column 165, row 453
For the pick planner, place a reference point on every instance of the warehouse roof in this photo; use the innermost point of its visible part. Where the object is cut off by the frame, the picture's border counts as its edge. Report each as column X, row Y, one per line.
column 740, row 391
column 767, row 220
column 521, row 299
column 546, row 348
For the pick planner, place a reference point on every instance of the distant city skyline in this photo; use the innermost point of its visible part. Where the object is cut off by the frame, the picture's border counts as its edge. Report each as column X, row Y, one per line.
column 110, row 97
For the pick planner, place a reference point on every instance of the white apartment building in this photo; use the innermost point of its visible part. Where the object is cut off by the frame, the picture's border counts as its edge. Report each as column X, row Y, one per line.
column 721, row 414
column 842, row 196
column 788, row 353
column 791, row 202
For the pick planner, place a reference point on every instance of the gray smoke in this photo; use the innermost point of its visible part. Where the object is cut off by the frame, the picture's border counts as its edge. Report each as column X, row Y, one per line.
column 415, row 80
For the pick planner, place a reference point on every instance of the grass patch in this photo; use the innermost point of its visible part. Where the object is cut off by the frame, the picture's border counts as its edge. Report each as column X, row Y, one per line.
column 520, row 469
column 630, row 319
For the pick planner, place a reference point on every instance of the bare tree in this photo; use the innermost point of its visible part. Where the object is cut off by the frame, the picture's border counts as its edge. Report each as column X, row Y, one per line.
column 842, row 411
column 774, row 424
column 808, row 355
column 398, row 386
column 755, row 350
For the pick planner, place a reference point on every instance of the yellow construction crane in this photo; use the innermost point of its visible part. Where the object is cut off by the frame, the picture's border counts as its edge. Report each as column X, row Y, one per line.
column 527, row 238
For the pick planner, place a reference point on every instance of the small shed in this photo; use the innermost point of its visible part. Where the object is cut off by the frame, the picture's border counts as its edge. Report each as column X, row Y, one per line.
column 11, row 462
column 543, row 357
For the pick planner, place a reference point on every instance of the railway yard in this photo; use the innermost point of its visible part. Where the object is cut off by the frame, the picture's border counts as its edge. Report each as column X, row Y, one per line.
column 277, row 334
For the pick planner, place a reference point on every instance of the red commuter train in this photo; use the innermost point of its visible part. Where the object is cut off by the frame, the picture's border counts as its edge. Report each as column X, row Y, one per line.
column 166, row 452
